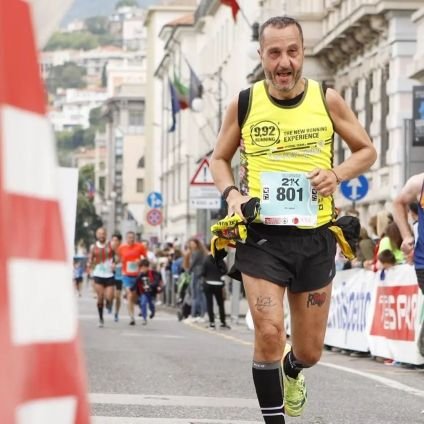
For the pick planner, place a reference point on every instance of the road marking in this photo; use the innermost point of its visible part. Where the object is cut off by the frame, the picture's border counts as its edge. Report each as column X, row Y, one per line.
column 150, row 335
column 122, row 318
column 163, row 400
column 132, row 420
column 220, row 334
column 393, row 384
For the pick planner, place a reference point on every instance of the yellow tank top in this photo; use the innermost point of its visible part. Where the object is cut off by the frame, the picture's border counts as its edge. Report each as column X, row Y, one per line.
column 291, row 139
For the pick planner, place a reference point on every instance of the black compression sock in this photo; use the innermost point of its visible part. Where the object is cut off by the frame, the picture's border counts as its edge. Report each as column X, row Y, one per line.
column 100, row 309
column 292, row 366
column 269, row 389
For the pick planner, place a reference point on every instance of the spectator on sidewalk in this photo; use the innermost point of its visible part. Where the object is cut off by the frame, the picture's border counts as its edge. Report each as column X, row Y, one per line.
column 197, row 254
column 386, row 261
column 392, row 241
column 214, row 286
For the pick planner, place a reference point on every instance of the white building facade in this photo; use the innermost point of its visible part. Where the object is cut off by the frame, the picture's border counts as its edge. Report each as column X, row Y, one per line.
column 72, row 107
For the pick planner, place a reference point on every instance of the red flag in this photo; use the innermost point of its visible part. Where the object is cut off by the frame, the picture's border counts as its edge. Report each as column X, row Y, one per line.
column 41, row 368
column 234, row 7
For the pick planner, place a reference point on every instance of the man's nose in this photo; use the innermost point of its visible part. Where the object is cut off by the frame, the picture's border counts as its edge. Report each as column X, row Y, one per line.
column 284, row 60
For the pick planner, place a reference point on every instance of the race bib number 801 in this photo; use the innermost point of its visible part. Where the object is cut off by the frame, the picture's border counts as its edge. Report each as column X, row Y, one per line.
column 287, row 198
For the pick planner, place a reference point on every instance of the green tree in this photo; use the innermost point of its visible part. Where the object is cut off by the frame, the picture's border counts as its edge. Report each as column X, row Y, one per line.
column 87, row 221
column 97, row 120
column 69, row 75
column 97, row 25
column 126, row 3
column 78, row 40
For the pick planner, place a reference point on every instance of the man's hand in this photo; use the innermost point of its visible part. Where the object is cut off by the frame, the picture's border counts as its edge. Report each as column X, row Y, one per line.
column 234, row 202
column 324, row 181
column 407, row 245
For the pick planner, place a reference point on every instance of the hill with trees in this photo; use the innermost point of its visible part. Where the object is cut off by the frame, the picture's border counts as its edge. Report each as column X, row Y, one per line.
column 82, row 9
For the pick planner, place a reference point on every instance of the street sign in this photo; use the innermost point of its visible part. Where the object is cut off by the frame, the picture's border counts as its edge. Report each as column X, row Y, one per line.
column 205, row 197
column 355, row 189
column 154, row 217
column 203, row 175
column 155, row 200
column 205, row 203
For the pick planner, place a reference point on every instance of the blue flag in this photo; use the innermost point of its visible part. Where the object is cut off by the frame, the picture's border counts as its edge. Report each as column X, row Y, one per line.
column 175, row 106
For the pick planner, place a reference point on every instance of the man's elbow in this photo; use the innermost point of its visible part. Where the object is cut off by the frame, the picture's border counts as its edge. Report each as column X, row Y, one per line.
column 372, row 155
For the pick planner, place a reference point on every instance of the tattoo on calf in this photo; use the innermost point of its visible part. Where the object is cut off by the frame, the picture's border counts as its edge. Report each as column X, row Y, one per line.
column 316, row 299
column 263, row 302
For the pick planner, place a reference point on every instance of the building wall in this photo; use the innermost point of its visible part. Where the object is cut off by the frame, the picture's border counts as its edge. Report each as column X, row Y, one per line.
column 156, row 121
column 369, row 47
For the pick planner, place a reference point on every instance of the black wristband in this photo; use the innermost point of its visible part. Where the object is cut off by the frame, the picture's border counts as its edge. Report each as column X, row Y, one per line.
column 338, row 180
column 226, row 192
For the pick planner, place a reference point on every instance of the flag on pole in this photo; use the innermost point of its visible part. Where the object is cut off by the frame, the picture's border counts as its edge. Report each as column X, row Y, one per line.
column 196, row 87
column 182, row 93
column 91, row 190
column 234, row 7
column 175, row 106
column 42, row 375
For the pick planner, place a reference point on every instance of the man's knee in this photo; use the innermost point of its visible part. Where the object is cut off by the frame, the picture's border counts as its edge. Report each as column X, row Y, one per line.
column 270, row 336
column 308, row 355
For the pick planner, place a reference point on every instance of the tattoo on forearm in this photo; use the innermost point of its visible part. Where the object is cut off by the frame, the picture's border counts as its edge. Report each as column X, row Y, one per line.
column 316, row 299
column 263, row 302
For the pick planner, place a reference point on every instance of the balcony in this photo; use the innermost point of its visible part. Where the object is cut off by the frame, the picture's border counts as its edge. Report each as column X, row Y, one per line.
column 352, row 25
column 305, row 8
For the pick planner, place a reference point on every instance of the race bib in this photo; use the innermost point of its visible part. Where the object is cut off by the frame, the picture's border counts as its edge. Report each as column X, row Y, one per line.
column 132, row 267
column 287, row 198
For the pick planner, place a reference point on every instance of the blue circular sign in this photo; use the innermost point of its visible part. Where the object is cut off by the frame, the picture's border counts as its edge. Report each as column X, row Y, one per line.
column 355, row 189
column 155, row 200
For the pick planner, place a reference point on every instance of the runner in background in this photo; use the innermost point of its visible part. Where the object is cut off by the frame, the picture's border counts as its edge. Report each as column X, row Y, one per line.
column 101, row 264
column 116, row 242
column 130, row 254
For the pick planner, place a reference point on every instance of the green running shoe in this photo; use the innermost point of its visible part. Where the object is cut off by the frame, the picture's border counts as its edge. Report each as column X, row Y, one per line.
column 295, row 393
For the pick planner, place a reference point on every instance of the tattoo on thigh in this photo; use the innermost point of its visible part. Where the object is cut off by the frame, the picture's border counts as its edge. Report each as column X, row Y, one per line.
column 316, row 299
column 263, row 302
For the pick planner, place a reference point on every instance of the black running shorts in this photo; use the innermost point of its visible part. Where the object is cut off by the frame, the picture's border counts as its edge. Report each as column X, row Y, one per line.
column 118, row 284
column 300, row 259
column 105, row 282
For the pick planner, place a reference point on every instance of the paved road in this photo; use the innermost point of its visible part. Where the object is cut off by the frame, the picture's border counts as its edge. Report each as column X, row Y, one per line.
column 174, row 373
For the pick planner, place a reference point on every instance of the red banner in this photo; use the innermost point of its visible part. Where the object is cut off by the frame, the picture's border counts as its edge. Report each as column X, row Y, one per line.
column 41, row 367
column 394, row 316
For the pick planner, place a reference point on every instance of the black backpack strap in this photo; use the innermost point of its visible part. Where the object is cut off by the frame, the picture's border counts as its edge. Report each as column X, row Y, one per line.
column 243, row 106
column 324, row 87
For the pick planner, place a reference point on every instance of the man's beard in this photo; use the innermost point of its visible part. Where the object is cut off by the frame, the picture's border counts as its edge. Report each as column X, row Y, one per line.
column 271, row 78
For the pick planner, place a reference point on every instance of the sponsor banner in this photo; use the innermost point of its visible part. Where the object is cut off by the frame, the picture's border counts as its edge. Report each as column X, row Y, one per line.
column 351, row 307
column 397, row 317
column 371, row 314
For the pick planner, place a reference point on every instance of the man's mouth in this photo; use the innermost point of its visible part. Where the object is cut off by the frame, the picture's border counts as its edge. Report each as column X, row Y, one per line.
column 283, row 74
